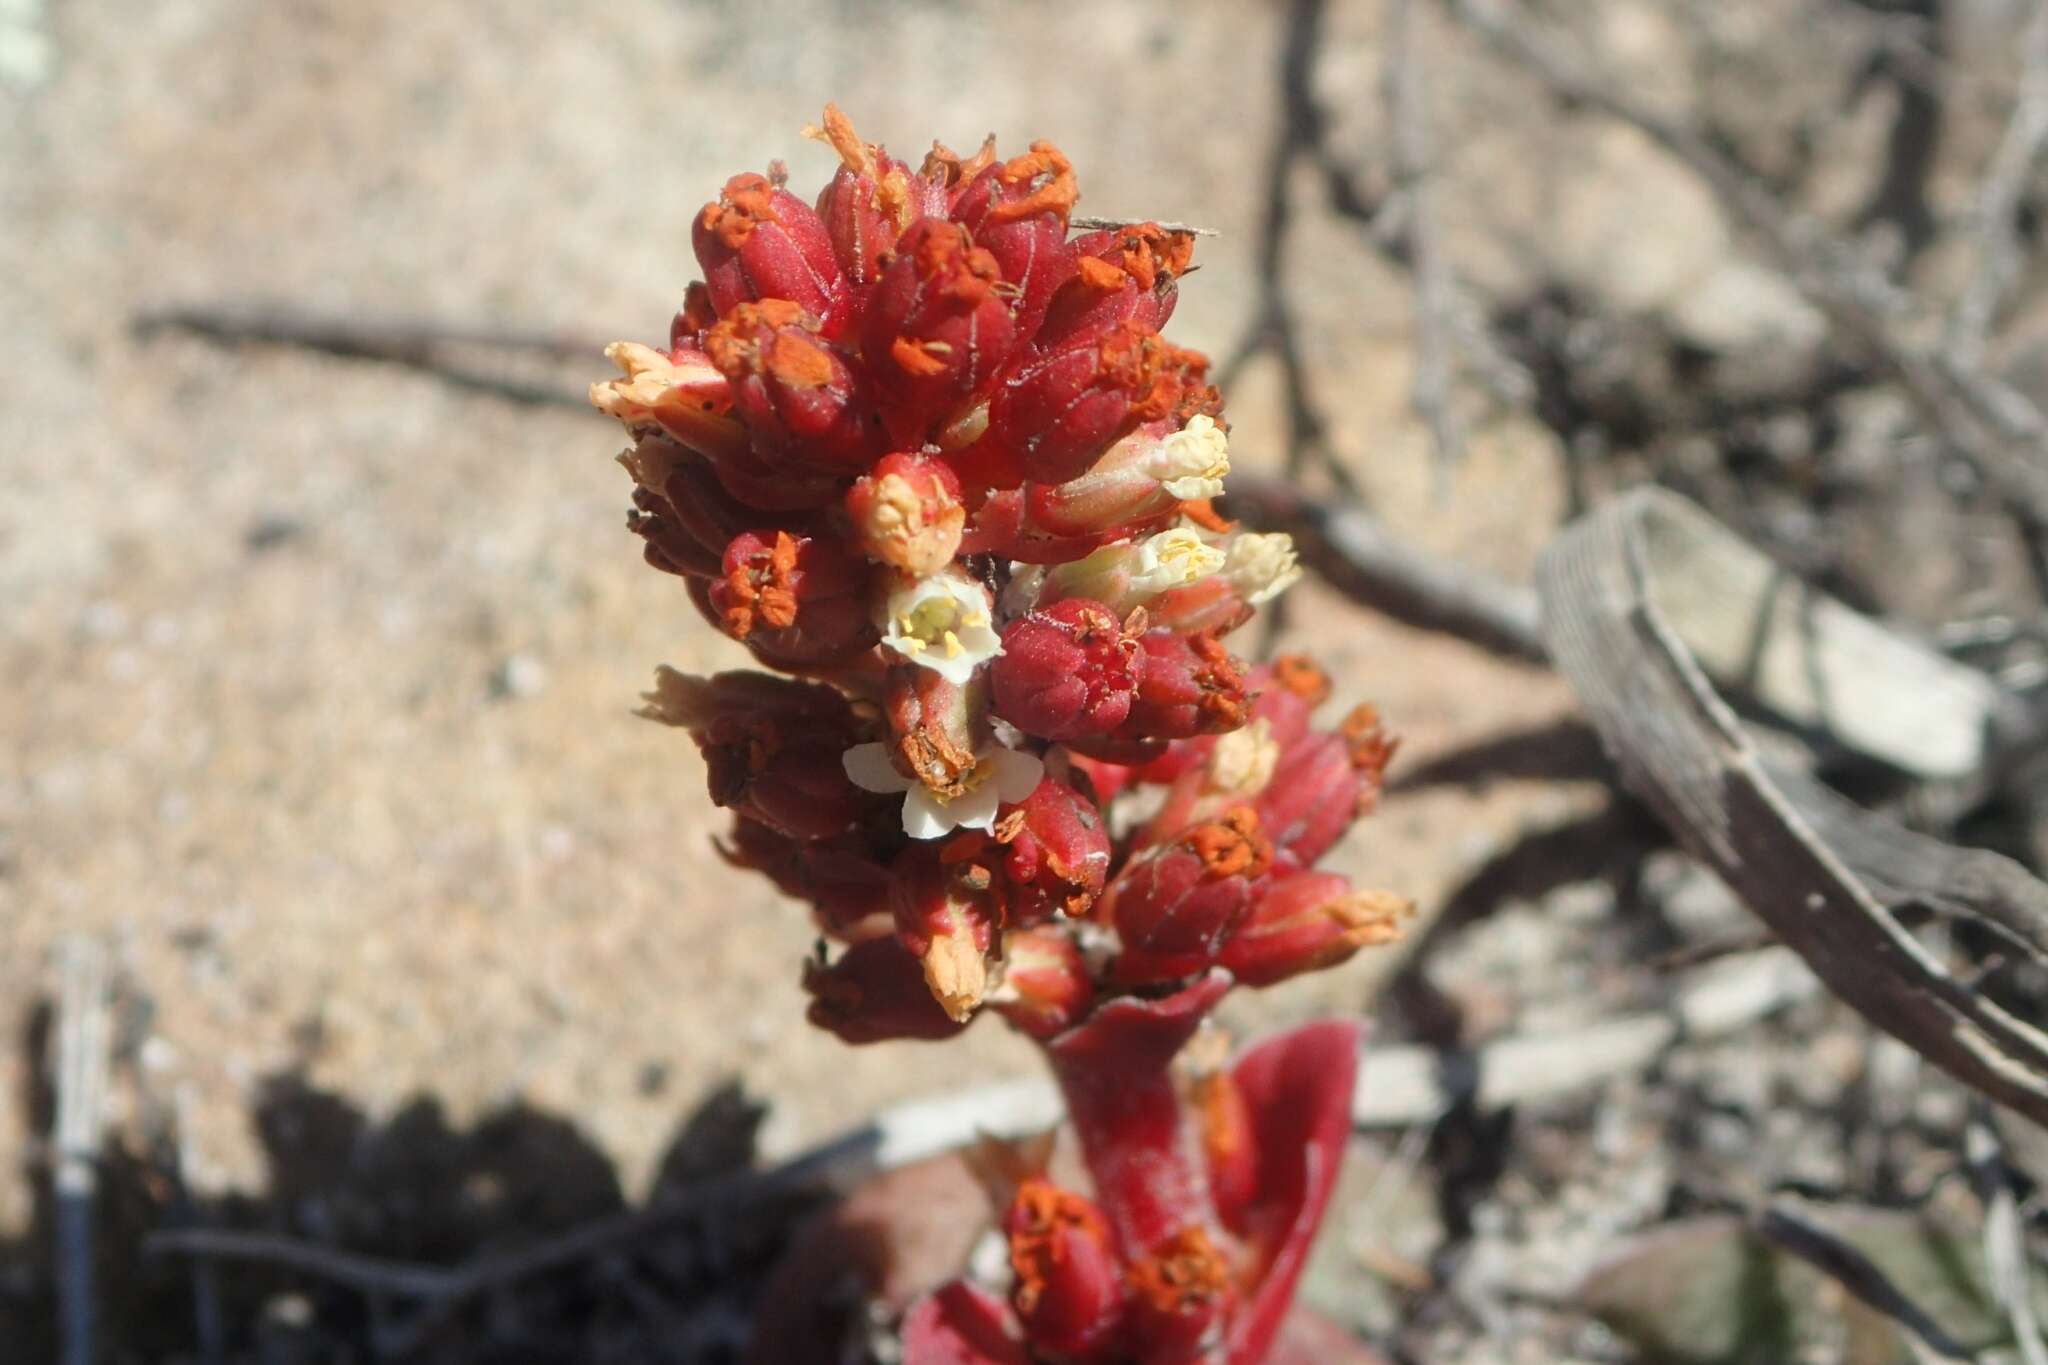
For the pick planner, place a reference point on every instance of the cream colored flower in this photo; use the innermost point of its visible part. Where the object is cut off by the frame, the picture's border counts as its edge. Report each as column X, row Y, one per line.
column 999, row 776
column 1193, row 461
column 941, row 621
column 1172, row 559
column 1131, row 573
column 1260, row 567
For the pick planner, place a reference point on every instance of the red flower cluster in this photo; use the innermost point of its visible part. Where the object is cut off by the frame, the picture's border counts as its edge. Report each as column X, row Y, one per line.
column 923, row 446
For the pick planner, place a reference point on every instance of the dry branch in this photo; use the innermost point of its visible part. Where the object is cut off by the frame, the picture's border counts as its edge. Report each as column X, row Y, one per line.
column 1355, row 553
column 1681, row 749
column 1998, row 197
column 1406, row 74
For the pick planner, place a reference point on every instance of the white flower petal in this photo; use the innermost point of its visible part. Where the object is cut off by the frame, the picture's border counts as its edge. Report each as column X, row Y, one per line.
column 869, row 768
column 1194, row 460
column 955, row 670
column 1017, row 775
column 924, row 817
column 976, row 809
column 943, row 621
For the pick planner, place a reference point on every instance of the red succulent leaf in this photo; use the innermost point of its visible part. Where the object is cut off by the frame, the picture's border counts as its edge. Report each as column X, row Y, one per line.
column 1113, row 1071
column 962, row 1325
column 1297, row 1088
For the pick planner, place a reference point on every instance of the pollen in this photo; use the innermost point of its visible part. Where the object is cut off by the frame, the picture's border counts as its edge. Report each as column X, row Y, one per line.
column 1186, row 1269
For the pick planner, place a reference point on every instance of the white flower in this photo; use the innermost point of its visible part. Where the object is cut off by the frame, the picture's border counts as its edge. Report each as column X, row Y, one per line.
column 1261, row 567
column 999, row 776
column 1173, row 559
column 1192, row 462
column 1129, row 574
column 941, row 621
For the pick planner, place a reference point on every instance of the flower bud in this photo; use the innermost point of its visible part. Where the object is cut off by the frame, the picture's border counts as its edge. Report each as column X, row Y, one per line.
column 1324, row 782
column 937, row 328
column 1058, row 854
column 1069, row 1288
column 681, row 393
column 1174, row 906
column 1154, row 257
column 1181, row 1294
column 1308, row 921
column 1045, row 987
column 1061, row 411
column 1133, row 574
column 1067, row 671
column 908, row 514
column 1003, row 527
column 838, row 877
column 696, row 317
column 794, row 598
column 798, row 396
column 1311, row 801
column 1095, row 297
column 1018, row 213
column 1285, row 694
column 679, row 507
column 1146, row 476
column 947, row 913
column 771, row 747
column 875, row 993
column 758, row 241
column 937, row 728
column 1235, row 769
column 1189, row 686
column 1370, row 748
column 869, row 202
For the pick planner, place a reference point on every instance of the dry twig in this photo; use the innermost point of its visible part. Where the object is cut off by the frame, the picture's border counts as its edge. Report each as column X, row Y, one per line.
column 1405, row 76
column 1355, row 554
column 1779, row 1225
column 416, row 343
column 1998, row 197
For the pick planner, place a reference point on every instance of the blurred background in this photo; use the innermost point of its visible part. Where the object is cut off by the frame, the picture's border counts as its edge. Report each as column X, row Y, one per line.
column 320, row 631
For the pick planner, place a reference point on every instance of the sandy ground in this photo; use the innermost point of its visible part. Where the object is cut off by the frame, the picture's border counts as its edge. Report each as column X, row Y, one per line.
column 315, row 675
